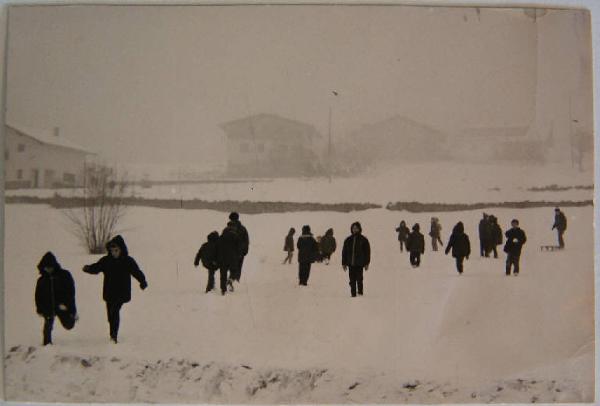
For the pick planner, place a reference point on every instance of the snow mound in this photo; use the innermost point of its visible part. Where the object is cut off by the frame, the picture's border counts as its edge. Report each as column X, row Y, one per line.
column 75, row 378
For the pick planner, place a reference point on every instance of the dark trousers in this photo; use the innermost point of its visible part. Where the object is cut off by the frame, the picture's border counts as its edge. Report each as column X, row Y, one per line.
column 484, row 248
column 401, row 246
column 114, row 319
column 236, row 271
column 356, row 279
column 223, row 272
column 495, row 249
column 303, row 272
column 211, row 280
column 288, row 258
column 512, row 260
column 66, row 319
column 561, row 241
column 459, row 264
column 415, row 258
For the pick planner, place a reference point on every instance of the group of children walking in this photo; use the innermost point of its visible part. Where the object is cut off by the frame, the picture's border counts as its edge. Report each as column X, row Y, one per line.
column 459, row 242
column 55, row 287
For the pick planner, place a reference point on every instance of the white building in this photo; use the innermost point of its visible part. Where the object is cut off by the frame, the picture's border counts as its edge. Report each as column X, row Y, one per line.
column 41, row 159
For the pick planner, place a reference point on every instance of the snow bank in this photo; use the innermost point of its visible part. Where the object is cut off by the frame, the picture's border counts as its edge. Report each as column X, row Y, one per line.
column 187, row 381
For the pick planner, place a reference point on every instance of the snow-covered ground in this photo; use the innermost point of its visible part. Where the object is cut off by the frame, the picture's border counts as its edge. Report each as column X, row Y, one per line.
column 426, row 183
column 426, row 335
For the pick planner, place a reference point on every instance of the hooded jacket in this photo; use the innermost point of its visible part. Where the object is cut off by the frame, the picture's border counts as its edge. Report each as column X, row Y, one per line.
column 459, row 242
column 416, row 241
column 436, row 228
column 308, row 248
column 496, row 231
column 288, row 245
column 356, row 250
column 228, row 247
column 117, row 273
column 328, row 244
column 243, row 238
column 208, row 253
column 54, row 289
column 402, row 231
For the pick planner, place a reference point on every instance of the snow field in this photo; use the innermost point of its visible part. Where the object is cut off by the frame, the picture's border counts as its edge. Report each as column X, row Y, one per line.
column 430, row 324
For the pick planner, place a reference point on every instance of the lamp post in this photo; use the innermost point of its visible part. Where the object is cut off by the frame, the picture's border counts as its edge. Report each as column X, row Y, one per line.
column 329, row 144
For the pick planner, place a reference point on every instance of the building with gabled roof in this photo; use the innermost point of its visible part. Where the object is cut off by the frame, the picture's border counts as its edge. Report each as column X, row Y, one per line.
column 37, row 158
column 267, row 145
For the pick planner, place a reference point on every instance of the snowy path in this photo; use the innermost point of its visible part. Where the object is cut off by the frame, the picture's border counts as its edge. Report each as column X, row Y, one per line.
column 458, row 335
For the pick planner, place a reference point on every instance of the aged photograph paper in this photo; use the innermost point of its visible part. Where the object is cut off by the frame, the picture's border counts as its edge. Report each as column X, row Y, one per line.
column 291, row 204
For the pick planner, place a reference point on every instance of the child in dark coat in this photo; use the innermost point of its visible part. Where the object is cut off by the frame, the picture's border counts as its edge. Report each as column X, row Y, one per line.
column 403, row 233
column 208, row 255
column 496, row 235
column 288, row 245
column 118, row 268
column 308, row 249
column 356, row 257
column 54, row 296
column 460, row 245
column 327, row 245
column 515, row 238
column 415, row 244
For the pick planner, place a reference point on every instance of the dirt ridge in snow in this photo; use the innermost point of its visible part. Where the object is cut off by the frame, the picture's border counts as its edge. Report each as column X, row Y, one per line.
column 46, row 374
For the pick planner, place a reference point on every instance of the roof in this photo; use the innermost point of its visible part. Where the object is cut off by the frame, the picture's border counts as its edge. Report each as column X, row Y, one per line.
column 499, row 132
column 47, row 137
column 268, row 126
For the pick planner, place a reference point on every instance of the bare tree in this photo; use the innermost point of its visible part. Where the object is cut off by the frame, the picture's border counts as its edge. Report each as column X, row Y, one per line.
column 100, row 209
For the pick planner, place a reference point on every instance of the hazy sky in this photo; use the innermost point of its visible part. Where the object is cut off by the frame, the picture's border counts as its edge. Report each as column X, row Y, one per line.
column 152, row 84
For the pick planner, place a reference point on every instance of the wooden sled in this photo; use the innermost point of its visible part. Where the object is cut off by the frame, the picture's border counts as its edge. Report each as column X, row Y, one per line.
column 550, row 248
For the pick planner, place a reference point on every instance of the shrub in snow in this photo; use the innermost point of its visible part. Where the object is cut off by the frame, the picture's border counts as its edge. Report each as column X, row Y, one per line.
column 101, row 208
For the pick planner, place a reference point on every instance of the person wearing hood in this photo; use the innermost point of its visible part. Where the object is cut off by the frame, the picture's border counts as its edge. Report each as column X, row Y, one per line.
column 244, row 244
column 403, row 233
column 308, row 249
column 54, row 296
column 288, row 246
column 435, row 233
column 118, row 267
column 460, row 245
column 208, row 255
column 515, row 238
column 356, row 257
column 228, row 256
column 485, row 236
column 415, row 245
column 496, row 235
column 328, row 245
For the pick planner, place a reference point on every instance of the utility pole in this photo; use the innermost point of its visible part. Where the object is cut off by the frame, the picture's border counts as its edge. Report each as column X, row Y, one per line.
column 571, row 133
column 329, row 158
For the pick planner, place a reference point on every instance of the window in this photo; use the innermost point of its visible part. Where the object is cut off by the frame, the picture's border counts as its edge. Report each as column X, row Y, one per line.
column 244, row 147
column 20, row 174
column 69, row 178
column 21, row 147
column 48, row 178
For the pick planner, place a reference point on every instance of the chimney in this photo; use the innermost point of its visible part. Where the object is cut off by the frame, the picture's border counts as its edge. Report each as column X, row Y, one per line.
column 56, row 132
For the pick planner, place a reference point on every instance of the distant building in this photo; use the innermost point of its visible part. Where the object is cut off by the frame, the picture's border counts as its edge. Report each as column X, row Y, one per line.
column 396, row 139
column 508, row 144
column 41, row 159
column 267, row 145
